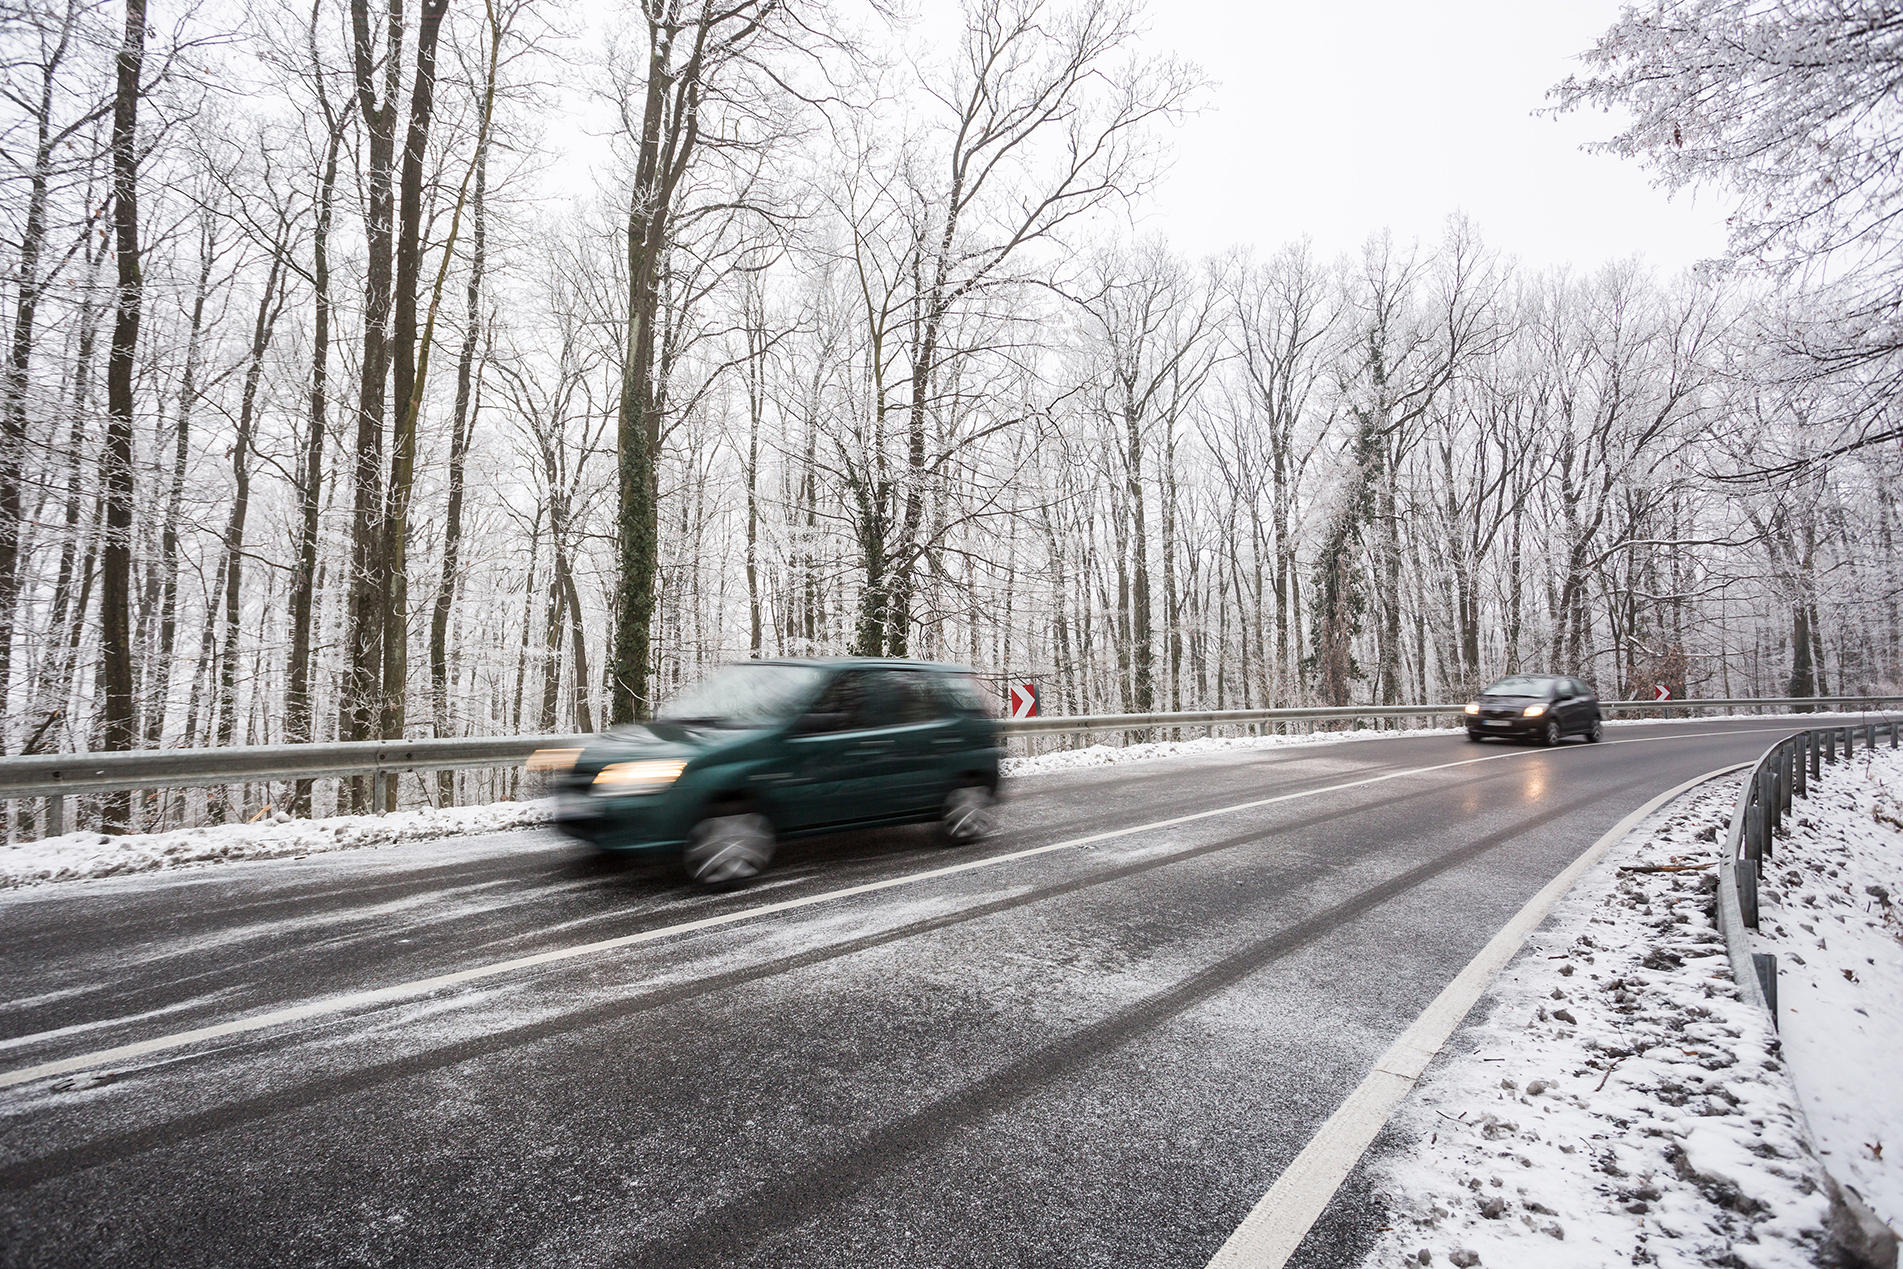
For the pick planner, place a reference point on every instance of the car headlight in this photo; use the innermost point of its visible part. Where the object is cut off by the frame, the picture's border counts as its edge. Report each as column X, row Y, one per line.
column 1473, row 707
column 1533, row 711
column 645, row 776
column 548, row 760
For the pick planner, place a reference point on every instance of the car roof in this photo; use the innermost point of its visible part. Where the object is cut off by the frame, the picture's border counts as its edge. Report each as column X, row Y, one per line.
column 845, row 663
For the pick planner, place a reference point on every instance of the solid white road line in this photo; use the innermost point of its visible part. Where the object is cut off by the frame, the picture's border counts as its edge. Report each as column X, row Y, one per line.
column 1275, row 1227
column 417, row 987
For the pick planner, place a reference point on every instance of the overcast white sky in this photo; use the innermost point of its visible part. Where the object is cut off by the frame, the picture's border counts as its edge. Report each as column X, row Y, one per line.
column 1333, row 120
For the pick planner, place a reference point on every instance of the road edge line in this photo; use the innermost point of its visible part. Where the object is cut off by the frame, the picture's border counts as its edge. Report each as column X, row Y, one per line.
column 1282, row 1218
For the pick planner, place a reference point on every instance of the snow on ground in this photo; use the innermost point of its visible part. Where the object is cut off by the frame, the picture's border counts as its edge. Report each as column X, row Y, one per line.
column 1617, row 1103
column 1829, row 909
column 77, row 856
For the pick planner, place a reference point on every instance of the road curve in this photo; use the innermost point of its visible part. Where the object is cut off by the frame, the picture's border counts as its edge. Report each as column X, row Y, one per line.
column 1098, row 1047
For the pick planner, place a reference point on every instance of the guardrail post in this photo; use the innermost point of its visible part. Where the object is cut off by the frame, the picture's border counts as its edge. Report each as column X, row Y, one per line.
column 1771, row 803
column 56, row 815
column 1748, row 892
column 1830, row 745
column 1800, row 768
column 1766, row 965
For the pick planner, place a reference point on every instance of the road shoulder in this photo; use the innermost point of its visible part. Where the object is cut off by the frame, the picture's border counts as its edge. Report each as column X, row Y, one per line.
column 1614, row 1100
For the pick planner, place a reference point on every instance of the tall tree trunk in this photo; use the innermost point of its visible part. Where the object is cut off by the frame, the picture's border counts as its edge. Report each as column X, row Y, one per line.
column 226, row 707
column 118, row 713
column 299, row 712
column 409, row 259
column 361, row 714
column 637, row 431
column 461, row 427
column 161, row 650
column 1142, row 654
column 13, row 385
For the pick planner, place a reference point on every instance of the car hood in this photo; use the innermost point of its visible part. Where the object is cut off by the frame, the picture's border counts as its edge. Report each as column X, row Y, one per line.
column 659, row 739
column 1513, row 700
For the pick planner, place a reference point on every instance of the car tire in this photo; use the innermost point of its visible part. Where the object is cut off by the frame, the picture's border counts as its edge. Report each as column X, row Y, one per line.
column 1552, row 735
column 1475, row 736
column 729, row 848
column 970, row 814
column 1597, row 732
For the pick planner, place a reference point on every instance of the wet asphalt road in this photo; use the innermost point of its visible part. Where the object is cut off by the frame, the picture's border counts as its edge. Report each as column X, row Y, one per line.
column 1101, row 1054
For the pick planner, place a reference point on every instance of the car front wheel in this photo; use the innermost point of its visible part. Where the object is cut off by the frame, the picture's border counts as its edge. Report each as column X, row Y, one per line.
column 970, row 814
column 1598, row 731
column 1552, row 733
column 728, row 848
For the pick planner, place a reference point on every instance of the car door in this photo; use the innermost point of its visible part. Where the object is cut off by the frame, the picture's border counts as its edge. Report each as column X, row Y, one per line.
column 838, row 757
column 1559, row 704
column 924, row 737
column 1578, row 708
column 1588, row 705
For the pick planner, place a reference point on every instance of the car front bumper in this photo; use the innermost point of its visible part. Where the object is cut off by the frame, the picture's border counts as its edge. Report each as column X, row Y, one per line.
column 631, row 823
column 1507, row 725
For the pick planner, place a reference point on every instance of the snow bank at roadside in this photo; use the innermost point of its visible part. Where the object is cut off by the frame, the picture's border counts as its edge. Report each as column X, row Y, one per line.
column 1829, row 908
column 1618, row 1103
column 1109, row 755
column 77, row 856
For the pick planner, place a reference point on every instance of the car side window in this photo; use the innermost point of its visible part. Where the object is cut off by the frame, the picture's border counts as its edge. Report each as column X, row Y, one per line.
column 1575, row 688
column 913, row 700
column 965, row 695
column 843, row 704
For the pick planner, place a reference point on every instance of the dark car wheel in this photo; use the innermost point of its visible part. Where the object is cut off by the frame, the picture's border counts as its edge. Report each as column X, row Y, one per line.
column 728, row 848
column 970, row 814
column 1552, row 735
column 1598, row 732
column 1475, row 736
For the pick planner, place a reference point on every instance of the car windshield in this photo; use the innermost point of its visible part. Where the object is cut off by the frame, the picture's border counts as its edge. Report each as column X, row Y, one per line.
column 745, row 696
column 1519, row 685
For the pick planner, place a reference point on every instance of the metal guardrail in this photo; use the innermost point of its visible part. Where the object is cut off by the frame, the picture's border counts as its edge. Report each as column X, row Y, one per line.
column 59, row 776
column 1081, row 723
column 1780, row 777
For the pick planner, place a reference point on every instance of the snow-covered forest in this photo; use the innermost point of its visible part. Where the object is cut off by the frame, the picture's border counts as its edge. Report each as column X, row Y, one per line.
column 459, row 369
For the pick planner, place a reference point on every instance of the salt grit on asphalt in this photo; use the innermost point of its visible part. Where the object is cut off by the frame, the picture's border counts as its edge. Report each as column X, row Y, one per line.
column 1618, row 1103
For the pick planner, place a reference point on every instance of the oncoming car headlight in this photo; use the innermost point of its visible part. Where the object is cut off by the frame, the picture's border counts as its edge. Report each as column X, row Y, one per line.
column 1473, row 707
column 638, row 777
column 1533, row 711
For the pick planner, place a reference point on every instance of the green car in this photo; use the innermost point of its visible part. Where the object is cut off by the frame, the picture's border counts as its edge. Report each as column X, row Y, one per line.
column 764, row 750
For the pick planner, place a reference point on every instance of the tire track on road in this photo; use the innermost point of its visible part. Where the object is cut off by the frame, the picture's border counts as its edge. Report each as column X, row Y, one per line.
column 54, row 1165
column 814, row 1185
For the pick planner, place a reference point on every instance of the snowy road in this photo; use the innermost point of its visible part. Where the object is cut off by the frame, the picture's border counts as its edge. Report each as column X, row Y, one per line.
column 1095, row 1050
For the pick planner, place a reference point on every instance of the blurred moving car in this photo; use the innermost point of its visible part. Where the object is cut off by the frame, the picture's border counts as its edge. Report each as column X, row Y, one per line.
column 1547, row 707
column 764, row 750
